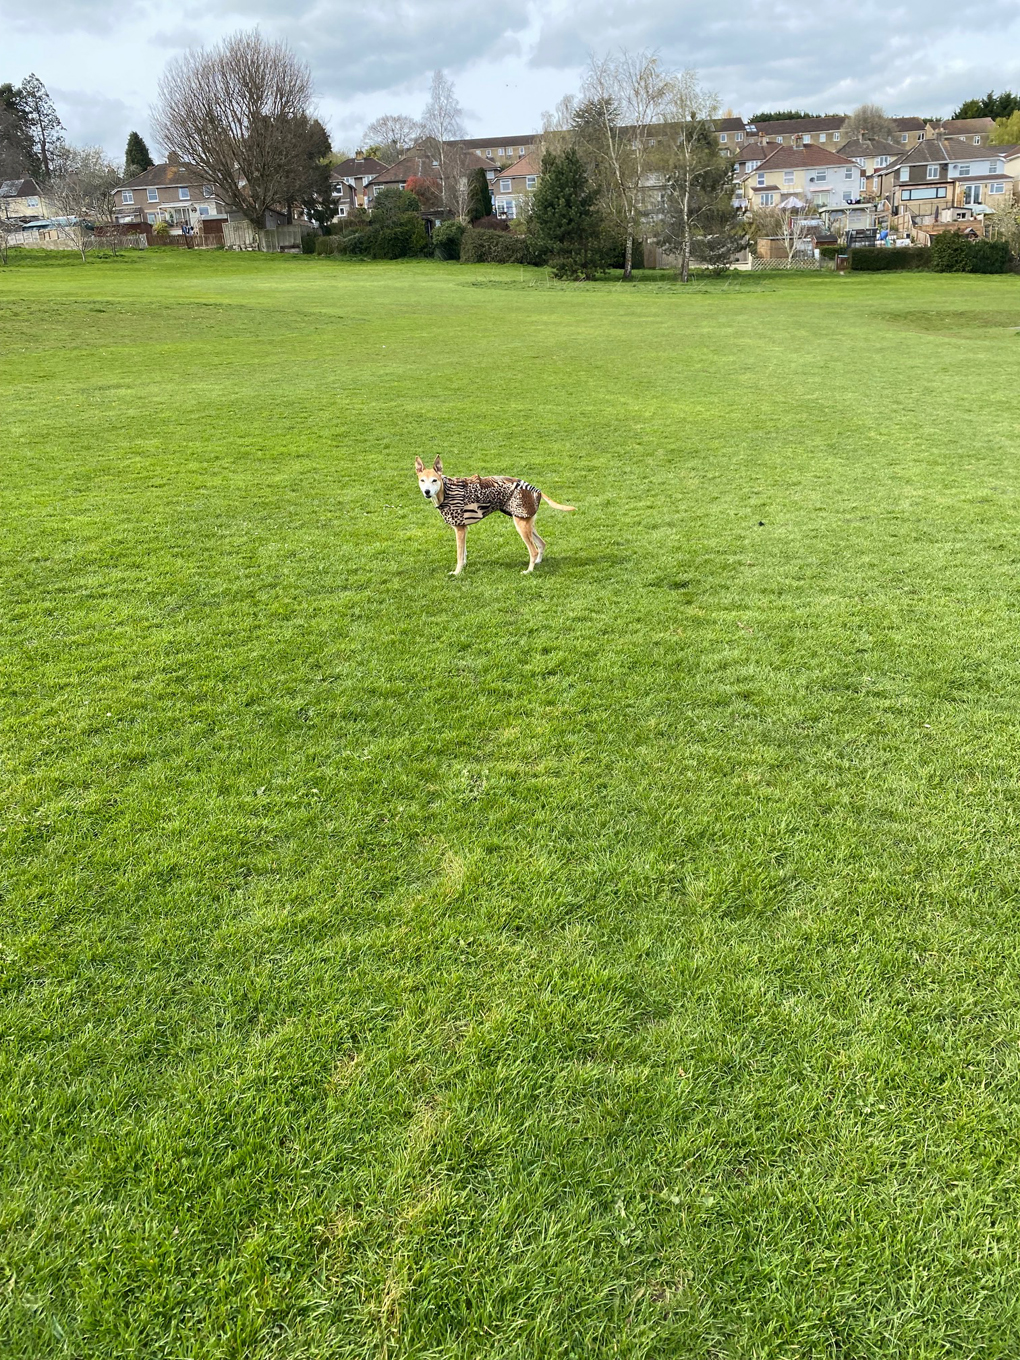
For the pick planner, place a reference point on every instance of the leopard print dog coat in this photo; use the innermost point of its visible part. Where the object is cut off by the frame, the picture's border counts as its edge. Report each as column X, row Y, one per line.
column 466, row 500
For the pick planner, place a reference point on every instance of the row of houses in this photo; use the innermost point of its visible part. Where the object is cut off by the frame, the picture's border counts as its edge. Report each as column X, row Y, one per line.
column 941, row 176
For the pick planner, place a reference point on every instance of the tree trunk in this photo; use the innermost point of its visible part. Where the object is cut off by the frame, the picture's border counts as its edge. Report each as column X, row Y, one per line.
column 628, row 254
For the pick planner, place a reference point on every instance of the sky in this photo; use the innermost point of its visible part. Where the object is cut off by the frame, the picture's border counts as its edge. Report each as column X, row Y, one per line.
column 101, row 60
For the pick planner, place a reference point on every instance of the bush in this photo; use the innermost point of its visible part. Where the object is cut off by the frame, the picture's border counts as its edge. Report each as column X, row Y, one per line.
column 872, row 258
column 446, row 239
column 496, row 247
column 616, row 250
column 491, row 223
column 399, row 238
column 952, row 253
column 830, row 252
column 326, row 245
column 990, row 257
column 308, row 243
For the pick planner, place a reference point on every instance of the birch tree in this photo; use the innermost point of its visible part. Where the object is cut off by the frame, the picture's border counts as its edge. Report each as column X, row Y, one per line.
column 623, row 101
column 698, row 182
column 441, row 124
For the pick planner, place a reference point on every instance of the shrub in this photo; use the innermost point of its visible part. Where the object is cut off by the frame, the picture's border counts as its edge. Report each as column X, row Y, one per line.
column 495, row 247
column 326, row 245
column 399, row 238
column 830, row 252
column 874, row 258
column 308, row 243
column 566, row 219
column 491, row 223
column 990, row 257
column 446, row 240
column 950, row 254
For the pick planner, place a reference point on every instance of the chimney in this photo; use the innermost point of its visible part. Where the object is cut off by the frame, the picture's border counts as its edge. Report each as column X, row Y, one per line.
column 173, row 158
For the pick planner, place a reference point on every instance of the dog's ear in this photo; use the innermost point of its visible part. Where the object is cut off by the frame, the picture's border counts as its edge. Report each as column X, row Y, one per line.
column 419, row 466
column 437, row 466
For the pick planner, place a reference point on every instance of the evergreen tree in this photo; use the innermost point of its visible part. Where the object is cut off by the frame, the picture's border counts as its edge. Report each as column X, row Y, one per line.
column 565, row 217
column 136, row 156
column 479, row 203
column 44, row 125
column 17, row 151
column 993, row 105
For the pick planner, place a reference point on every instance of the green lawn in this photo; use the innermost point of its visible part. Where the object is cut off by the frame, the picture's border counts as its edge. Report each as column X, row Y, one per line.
column 620, row 961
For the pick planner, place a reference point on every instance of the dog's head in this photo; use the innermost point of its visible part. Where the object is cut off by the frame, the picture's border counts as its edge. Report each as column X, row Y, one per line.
column 430, row 480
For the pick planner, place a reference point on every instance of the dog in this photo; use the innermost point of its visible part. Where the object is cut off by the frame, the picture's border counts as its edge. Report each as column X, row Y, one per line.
column 466, row 500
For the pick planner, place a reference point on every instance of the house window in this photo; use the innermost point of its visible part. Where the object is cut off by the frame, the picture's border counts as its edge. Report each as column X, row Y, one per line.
column 807, row 138
column 738, row 136
column 779, row 140
column 32, row 201
column 972, row 193
column 153, row 195
column 881, row 160
column 722, row 136
column 993, row 167
column 127, row 196
column 903, row 136
column 183, row 194
column 977, row 141
column 962, row 170
column 996, row 188
column 848, row 173
column 787, row 176
column 520, row 150
column 933, row 172
column 766, row 200
column 531, row 181
column 207, row 191
column 505, row 186
column 821, row 136
column 760, row 178
column 489, row 153
column 204, row 210
column 821, row 176
column 904, row 172
column 502, row 150
column 835, row 136
column 848, row 198
column 151, row 217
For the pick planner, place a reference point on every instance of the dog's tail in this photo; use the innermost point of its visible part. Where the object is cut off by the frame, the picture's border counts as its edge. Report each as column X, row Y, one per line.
column 555, row 504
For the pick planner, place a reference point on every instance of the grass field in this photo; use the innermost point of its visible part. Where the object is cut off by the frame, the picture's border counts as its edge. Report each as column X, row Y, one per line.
column 616, row 961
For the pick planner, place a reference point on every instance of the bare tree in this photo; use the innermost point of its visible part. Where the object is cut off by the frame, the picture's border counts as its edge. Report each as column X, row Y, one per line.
column 783, row 224
column 391, row 136
column 624, row 98
column 441, row 125
column 7, row 230
column 240, row 113
column 83, row 194
column 871, row 123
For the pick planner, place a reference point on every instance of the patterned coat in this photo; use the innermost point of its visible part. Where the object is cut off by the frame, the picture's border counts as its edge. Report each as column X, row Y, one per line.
column 466, row 500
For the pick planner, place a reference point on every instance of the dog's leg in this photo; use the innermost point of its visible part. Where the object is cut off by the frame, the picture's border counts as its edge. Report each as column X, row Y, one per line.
column 540, row 541
column 525, row 528
column 461, row 531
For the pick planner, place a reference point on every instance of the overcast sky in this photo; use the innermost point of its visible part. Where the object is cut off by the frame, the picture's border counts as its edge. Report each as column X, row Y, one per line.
column 101, row 59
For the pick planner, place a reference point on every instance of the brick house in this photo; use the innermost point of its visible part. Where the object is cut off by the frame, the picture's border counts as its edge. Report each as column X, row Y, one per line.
column 513, row 187
column 352, row 180
column 175, row 193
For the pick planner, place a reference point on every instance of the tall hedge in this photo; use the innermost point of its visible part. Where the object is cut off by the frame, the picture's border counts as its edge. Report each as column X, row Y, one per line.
column 874, row 258
column 495, row 247
column 952, row 253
